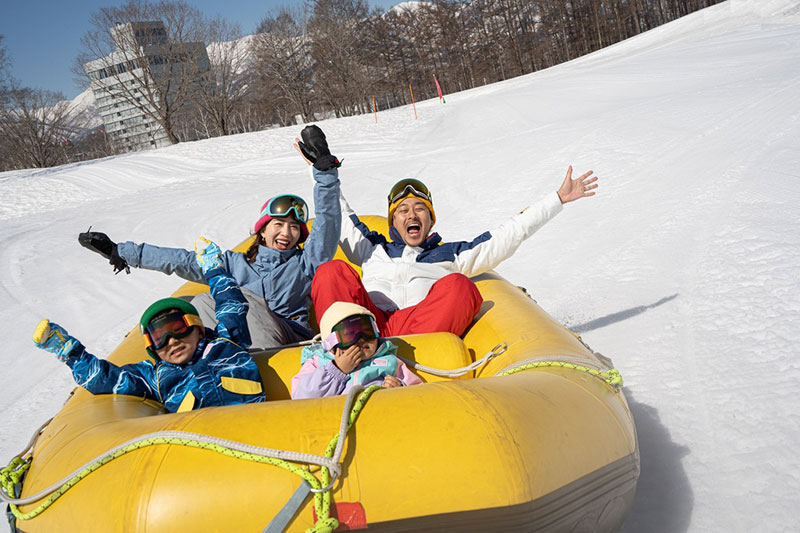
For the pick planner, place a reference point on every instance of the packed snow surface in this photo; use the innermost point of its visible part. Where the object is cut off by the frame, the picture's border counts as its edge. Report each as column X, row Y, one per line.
column 683, row 269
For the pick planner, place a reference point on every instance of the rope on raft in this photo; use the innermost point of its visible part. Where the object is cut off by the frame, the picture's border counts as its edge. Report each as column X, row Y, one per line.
column 457, row 372
column 611, row 376
column 12, row 475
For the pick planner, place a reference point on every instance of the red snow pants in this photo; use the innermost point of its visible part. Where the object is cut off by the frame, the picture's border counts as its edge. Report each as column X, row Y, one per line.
column 451, row 303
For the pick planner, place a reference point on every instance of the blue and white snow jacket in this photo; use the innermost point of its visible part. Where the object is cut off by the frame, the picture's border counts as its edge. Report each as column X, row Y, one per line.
column 397, row 276
column 281, row 277
column 220, row 373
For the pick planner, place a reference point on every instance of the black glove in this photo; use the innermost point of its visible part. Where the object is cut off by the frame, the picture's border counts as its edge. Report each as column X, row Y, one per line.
column 315, row 149
column 101, row 244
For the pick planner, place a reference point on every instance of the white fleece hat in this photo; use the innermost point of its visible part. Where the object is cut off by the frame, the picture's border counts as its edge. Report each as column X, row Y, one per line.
column 337, row 312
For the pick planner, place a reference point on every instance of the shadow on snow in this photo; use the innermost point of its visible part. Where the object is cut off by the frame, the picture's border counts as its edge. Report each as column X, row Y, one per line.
column 618, row 317
column 664, row 498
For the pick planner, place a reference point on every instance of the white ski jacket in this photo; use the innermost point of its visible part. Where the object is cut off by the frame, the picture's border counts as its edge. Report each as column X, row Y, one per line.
column 397, row 276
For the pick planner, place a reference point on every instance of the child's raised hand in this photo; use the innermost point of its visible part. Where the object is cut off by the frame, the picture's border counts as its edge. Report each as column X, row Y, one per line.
column 209, row 256
column 348, row 359
column 391, row 382
column 51, row 337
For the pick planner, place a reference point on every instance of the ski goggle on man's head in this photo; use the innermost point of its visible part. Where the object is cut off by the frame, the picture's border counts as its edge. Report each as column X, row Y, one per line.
column 347, row 332
column 409, row 186
column 171, row 324
column 286, row 204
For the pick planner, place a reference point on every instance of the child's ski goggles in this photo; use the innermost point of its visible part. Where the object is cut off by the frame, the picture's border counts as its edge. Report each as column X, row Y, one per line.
column 175, row 324
column 408, row 186
column 283, row 205
column 347, row 332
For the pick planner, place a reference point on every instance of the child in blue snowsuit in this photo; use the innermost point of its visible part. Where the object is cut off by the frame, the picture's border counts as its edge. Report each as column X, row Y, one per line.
column 275, row 272
column 192, row 366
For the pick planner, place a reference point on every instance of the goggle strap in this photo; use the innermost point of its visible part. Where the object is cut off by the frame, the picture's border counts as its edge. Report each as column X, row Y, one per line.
column 193, row 320
column 330, row 342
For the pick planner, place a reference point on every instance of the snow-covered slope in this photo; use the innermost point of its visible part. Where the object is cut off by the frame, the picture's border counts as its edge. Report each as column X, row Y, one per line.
column 683, row 269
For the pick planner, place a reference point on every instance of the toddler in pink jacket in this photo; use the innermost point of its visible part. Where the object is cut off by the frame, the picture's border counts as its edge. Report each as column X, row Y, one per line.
column 351, row 353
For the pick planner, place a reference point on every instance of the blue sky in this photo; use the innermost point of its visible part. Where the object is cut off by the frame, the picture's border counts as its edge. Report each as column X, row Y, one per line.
column 42, row 37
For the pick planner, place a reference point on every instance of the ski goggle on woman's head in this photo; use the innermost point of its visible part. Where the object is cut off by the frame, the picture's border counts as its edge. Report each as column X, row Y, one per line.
column 173, row 323
column 286, row 204
column 347, row 332
column 409, row 186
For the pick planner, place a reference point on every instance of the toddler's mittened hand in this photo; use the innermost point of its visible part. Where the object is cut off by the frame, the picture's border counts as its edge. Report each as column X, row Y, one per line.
column 209, row 256
column 51, row 337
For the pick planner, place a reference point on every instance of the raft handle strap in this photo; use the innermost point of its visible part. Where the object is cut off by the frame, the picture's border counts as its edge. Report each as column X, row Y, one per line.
column 287, row 512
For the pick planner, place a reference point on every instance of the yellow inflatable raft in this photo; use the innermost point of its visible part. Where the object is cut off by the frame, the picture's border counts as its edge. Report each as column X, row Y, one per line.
column 536, row 437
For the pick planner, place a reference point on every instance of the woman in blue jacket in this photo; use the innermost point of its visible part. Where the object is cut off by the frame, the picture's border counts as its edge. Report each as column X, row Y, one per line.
column 274, row 274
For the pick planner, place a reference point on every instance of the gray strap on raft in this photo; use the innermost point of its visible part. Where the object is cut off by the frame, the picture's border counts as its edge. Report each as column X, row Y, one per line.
column 12, row 520
column 285, row 515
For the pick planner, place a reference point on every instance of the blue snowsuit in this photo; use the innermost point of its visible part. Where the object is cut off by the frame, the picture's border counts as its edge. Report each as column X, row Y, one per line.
column 281, row 277
column 221, row 371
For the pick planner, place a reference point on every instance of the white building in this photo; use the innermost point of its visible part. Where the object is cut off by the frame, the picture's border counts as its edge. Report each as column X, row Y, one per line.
column 127, row 81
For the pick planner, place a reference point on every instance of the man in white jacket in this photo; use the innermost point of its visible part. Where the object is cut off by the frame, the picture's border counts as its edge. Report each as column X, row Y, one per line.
column 412, row 282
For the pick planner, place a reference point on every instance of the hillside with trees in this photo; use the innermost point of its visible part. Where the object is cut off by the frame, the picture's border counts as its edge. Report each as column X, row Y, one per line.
column 329, row 58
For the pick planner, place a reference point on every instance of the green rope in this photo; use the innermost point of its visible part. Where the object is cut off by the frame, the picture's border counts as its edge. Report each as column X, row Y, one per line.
column 612, row 376
column 13, row 473
column 11, row 476
column 322, row 501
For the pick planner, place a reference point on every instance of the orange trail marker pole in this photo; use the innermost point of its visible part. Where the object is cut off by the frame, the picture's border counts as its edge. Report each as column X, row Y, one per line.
column 374, row 109
column 410, row 90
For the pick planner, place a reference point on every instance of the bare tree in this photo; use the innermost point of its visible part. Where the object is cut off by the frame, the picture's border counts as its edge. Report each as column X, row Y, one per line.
column 284, row 63
column 92, row 144
column 35, row 127
column 343, row 80
column 155, row 67
column 227, row 81
column 390, row 52
column 5, row 74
